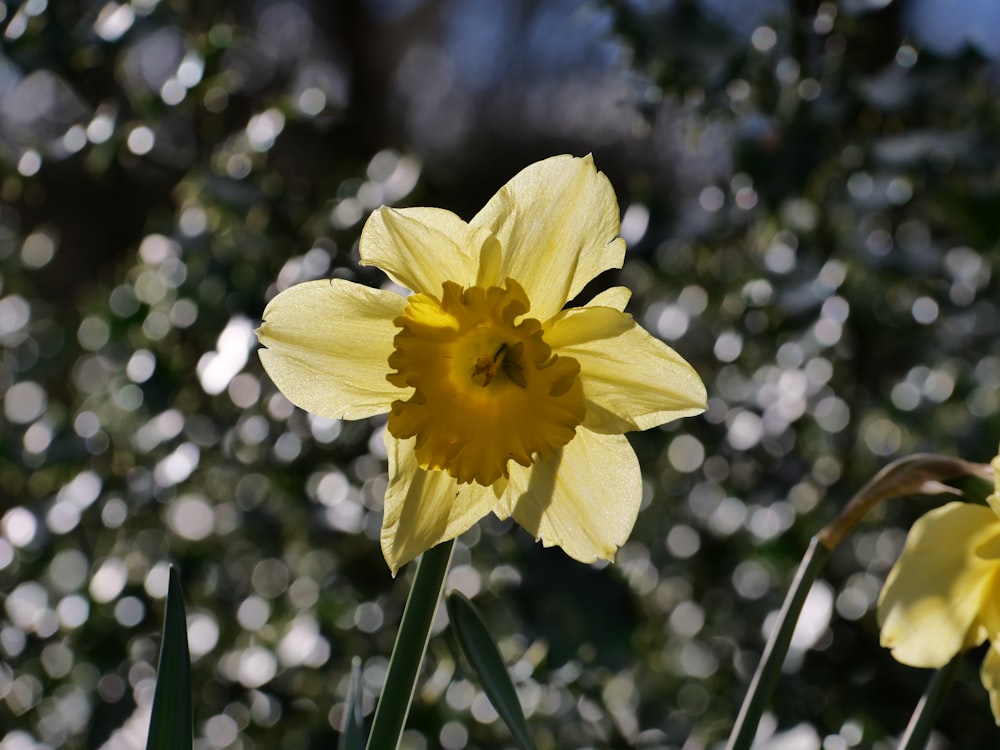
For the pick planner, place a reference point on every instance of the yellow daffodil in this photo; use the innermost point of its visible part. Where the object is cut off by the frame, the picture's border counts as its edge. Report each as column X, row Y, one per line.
column 943, row 594
column 499, row 400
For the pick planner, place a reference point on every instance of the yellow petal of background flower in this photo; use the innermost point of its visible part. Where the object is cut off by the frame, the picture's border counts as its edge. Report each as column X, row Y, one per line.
column 556, row 221
column 420, row 248
column 328, row 345
column 425, row 508
column 631, row 380
column 584, row 499
column 988, row 619
column 994, row 499
column 933, row 595
column 990, row 675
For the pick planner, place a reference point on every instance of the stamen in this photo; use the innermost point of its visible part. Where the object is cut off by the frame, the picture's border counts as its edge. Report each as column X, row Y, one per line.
column 504, row 361
column 483, row 371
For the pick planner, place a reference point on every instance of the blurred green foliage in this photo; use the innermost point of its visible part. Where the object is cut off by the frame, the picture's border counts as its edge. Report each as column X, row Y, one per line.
column 809, row 198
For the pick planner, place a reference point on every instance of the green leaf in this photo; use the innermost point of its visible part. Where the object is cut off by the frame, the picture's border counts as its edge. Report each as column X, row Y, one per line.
column 170, row 726
column 776, row 648
column 353, row 736
column 408, row 651
column 484, row 657
column 918, row 731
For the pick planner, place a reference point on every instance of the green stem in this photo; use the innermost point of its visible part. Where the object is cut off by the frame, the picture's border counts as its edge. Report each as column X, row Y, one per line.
column 408, row 651
column 762, row 685
column 922, row 721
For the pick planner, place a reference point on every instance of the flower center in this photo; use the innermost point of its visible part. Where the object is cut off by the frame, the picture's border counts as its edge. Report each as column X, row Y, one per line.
column 487, row 388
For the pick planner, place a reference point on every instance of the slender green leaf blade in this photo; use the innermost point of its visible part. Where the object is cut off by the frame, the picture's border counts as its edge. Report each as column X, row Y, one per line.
column 408, row 651
column 170, row 725
column 776, row 649
column 918, row 731
column 353, row 736
column 481, row 650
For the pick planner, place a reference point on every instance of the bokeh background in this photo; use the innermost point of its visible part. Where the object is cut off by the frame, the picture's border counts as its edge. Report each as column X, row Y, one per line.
column 810, row 195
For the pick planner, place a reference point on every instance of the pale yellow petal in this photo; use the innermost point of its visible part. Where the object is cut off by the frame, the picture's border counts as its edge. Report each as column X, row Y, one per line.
column 556, row 221
column 990, row 675
column 994, row 499
column 932, row 598
column 994, row 502
column 991, row 549
column 584, row 499
column 420, row 248
column 328, row 345
column 631, row 380
column 425, row 508
column 616, row 297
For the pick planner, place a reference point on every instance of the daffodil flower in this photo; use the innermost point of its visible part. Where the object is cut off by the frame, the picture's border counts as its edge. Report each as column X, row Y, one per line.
column 499, row 399
column 943, row 594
